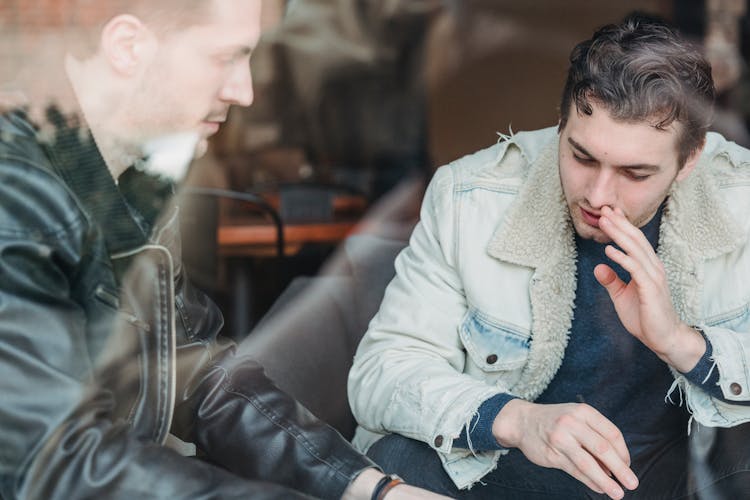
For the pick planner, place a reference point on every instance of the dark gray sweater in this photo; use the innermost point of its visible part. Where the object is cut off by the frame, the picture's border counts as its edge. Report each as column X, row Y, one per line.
column 606, row 367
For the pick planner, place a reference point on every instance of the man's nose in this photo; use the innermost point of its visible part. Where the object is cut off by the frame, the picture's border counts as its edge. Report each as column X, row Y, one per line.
column 238, row 89
column 602, row 189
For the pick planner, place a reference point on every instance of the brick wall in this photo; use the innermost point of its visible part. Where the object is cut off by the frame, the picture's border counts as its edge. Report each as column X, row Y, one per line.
column 30, row 26
column 50, row 13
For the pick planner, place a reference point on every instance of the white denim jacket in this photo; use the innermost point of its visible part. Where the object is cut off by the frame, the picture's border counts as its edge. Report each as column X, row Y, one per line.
column 482, row 301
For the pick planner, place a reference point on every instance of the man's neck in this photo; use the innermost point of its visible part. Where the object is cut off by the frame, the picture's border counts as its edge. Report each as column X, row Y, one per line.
column 118, row 155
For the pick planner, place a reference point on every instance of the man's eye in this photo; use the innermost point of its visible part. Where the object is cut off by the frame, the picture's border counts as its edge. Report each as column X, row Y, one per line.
column 227, row 59
column 581, row 159
column 637, row 177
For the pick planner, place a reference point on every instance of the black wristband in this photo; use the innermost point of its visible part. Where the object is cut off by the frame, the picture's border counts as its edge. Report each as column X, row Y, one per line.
column 384, row 486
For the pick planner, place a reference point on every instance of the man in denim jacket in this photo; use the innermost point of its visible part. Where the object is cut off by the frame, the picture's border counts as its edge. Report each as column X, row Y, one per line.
column 567, row 290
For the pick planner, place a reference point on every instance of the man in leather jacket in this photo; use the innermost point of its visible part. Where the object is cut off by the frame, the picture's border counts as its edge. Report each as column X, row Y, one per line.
column 106, row 351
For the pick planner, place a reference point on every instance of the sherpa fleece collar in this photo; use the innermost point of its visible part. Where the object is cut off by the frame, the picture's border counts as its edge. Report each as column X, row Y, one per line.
column 537, row 232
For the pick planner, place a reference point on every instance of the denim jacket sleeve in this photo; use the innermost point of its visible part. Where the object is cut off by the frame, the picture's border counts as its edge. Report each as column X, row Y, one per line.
column 706, row 251
column 408, row 375
column 731, row 349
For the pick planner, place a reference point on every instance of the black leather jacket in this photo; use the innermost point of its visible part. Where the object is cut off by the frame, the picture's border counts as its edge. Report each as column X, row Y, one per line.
column 105, row 349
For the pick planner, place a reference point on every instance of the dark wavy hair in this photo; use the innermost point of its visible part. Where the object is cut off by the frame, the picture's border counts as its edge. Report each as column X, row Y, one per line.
column 641, row 69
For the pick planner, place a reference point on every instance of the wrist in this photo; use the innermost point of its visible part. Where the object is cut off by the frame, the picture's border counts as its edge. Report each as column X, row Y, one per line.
column 385, row 485
column 687, row 349
column 506, row 428
column 363, row 485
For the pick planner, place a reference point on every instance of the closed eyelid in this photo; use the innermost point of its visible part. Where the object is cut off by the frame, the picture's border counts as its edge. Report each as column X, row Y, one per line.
column 236, row 54
column 636, row 174
column 582, row 158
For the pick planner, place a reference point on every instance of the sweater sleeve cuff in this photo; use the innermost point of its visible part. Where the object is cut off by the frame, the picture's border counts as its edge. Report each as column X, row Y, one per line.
column 479, row 437
column 704, row 374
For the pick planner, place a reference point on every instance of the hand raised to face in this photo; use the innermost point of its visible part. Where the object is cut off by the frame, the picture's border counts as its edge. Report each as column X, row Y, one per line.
column 644, row 305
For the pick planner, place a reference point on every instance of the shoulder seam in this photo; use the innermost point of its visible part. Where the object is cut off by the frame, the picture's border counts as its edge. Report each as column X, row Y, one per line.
column 66, row 223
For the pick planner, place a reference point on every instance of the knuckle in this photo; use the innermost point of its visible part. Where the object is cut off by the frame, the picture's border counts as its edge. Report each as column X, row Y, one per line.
column 583, row 465
column 601, row 447
column 620, row 471
column 557, row 438
column 614, row 434
column 564, row 420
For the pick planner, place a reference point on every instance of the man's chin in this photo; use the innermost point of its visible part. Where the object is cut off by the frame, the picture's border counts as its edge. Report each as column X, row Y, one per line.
column 170, row 155
column 201, row 147
column 587, row 232
column 601, row 238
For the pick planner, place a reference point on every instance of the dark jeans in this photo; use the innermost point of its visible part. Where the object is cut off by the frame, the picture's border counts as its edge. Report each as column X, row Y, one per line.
column 713, row 467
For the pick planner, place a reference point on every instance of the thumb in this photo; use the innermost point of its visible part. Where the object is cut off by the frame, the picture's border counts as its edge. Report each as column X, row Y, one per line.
column 607, row 278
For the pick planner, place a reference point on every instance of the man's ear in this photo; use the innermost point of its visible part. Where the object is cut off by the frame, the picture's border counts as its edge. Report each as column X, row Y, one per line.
column 691, row 162
column 125, row 42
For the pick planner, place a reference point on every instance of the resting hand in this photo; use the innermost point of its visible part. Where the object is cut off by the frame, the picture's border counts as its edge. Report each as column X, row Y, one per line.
column 644, row 305
column 571, row 437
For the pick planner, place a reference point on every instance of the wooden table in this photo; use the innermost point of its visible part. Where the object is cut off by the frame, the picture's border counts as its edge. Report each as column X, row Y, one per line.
column 243, row 234
column 254, row 237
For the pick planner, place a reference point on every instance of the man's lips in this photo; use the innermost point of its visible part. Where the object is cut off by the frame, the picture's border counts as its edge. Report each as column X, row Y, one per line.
column 590, row 218
column 212, row 126
column 214, row 120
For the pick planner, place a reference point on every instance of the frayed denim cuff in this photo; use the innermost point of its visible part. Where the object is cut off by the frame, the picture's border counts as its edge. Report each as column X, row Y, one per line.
column 479, row 437
column 704, row 374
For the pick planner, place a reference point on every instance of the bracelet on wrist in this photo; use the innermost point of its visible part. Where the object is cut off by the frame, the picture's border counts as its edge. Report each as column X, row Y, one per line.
column 385, row 484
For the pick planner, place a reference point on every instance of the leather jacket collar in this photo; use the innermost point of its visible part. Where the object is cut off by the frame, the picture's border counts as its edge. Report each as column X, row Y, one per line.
column 126, row 211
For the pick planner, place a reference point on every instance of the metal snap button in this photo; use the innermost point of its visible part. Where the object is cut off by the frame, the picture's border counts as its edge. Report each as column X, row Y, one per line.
column 492, row 359
column 438, row 441
column 735, row 388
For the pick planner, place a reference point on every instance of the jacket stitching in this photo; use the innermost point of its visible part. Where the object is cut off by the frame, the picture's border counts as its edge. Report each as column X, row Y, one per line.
column 277, row 420
column 164, row 354
column 728, row 315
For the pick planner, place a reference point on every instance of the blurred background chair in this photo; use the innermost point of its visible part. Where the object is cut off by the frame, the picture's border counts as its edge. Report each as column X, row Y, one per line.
column 307, row 340
column 244, row 248
column 201, row 210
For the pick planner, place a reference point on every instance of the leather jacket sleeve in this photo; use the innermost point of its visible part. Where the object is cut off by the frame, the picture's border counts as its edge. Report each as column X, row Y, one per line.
column 241, row 421
column 238, row 418
column 61, row 434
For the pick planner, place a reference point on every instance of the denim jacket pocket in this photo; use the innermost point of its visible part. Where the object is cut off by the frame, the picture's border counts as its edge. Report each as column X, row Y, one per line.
column 492, row 345
column 737, row 318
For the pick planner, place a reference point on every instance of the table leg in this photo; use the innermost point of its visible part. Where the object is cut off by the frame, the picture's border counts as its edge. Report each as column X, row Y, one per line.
column 242, row 298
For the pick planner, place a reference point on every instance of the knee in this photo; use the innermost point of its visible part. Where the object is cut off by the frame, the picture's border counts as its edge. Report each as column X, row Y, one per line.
column 414, row 461
column 395, row 453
